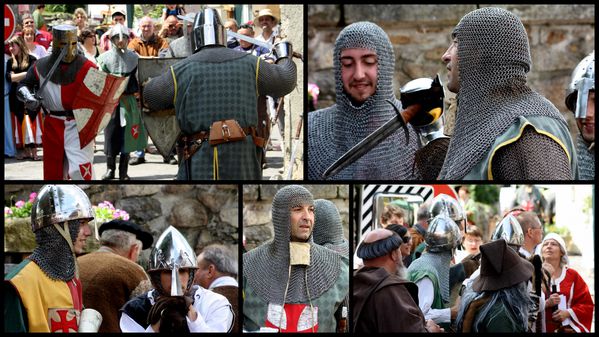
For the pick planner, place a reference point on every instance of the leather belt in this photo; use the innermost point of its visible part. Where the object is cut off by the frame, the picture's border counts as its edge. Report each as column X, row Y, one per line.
column 66, row 113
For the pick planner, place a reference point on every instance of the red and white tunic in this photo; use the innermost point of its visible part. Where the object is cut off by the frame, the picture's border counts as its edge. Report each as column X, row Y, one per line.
column 579, row 302
column 63, row 156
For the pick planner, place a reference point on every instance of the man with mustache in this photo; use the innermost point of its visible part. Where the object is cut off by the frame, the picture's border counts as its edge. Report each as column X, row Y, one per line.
column 380, row 289
column 290, row 283
column 364, row 64
column 503, row 129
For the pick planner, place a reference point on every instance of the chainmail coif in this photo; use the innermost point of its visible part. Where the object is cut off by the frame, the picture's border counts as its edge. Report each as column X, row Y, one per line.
column 493, row 60
column 328, row 230
column 334, row 130
column 53, row 254
column 266, row 267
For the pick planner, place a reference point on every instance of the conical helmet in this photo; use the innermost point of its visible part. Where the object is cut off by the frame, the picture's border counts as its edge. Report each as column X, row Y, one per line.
column 583, row 80
column 443, row 234
column 119, row 30
column 60, row 203
column 510, row 230
column 444, row 203
column 171, row 253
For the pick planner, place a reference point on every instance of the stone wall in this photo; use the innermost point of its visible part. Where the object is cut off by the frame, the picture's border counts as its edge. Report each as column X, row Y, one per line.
column 560, row 36
column 204, row 214
column 257, row 202
column 292, row 28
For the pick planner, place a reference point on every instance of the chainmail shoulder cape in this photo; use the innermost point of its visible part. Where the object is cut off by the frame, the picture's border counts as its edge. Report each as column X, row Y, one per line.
column 437, row 264
column 333, row 131
column 493, row 60
column 266, row 267
column 53, row 254
column 586, row 159
column 328, row 230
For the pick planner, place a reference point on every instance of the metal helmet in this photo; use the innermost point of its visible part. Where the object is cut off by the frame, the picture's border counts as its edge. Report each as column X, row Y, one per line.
column 119, row 30
column 583, row 80
column 443, row 234
column 428, row 92
column 64, row 42
column 444, row 203
column 208, row 29
column 510, row 230
column 60, row 203
column 173, row 252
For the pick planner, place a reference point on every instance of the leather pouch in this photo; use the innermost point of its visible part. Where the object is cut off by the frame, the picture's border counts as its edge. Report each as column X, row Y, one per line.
column 225, row 131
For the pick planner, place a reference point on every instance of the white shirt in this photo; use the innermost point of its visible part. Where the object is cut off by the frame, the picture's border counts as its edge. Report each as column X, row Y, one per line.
column 224, row 281
column 426, row 293
column 214, row 314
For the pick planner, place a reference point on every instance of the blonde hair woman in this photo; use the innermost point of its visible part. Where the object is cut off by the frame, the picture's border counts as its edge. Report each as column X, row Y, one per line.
column 27, row 128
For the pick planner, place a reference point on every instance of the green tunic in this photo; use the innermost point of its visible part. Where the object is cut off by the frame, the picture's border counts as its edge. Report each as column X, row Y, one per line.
column 206, row 92
column 255, row 309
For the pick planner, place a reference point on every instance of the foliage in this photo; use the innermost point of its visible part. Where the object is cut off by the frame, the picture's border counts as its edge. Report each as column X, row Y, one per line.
column 105, row 211
column 21, row 208
column 66, row 8
column 486, row 194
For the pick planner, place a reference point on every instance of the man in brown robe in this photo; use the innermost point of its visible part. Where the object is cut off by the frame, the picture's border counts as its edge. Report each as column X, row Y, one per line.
column 383, row 301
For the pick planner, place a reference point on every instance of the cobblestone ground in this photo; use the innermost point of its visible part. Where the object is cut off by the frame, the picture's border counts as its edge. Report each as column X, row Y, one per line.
column 153, row 169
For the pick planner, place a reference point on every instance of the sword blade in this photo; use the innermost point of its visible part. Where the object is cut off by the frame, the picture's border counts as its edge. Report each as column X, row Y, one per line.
column 250, row 40
column 372, row 140
column 63, row 52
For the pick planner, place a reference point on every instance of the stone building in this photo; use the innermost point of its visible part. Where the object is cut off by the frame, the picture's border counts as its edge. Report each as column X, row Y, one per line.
column 559, row 35
column 204, row 214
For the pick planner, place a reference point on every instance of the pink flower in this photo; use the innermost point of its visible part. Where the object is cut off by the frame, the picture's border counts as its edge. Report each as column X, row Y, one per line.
column 7, row 210
column 106, row 204
column 313, row 91
column 120, row 214
column 20, row 203
column 32, row 196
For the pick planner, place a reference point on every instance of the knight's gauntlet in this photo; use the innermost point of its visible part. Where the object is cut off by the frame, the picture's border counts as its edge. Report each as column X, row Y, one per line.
column 25, row 96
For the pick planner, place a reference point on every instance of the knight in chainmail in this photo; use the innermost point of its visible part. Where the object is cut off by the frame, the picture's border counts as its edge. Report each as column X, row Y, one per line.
column 580, row 100
column 64, row 157
column 43, row 293
column 328, row 230
column 125, row 132
column 171, row 269
column 430, row 272
column 290, row 283
column 334, row 130
column 503, row 129
column 218, row 84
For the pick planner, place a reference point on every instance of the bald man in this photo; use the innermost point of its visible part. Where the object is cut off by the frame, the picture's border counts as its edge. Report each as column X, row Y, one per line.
column 533, row 232
column 377, row 303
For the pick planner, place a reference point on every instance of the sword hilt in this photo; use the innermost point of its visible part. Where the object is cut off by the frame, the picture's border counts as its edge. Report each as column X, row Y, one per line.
column 405, row 116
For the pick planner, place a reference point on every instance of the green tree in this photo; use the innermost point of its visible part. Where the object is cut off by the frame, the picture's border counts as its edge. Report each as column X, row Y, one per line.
column 486, row 194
